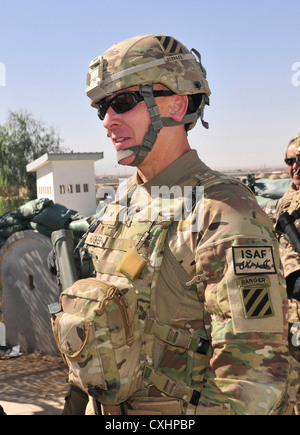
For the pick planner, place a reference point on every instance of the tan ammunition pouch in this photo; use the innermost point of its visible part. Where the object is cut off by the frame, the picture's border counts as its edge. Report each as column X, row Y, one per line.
column 98, row 335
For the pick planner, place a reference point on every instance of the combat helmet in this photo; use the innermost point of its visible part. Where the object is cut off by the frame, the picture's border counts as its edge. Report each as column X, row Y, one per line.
column 143, row 61
column 297, row 147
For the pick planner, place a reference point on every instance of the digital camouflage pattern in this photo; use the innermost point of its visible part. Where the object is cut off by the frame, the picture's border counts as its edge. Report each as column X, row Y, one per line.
column 146, row 59
column 211, row 303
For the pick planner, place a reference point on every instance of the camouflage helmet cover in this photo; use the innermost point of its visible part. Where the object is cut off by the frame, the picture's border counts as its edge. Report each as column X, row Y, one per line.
column 146, row 59
column 297, row 144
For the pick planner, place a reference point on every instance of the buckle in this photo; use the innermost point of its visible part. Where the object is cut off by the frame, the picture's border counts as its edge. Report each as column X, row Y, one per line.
column 203, row 346
column 195, row 398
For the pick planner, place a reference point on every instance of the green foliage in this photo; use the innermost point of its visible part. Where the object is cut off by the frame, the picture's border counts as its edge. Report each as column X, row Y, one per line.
column 11, row 204
column 22, row 140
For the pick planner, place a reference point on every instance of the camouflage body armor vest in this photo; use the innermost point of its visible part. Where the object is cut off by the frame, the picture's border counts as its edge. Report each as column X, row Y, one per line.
column 170, row 311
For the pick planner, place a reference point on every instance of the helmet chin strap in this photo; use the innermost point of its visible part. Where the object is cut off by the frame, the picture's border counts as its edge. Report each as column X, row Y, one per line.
column 140, row 151
column 157, row 123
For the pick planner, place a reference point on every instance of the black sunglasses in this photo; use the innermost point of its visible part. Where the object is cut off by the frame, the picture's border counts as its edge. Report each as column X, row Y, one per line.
column 291, row 160
column 125, row 101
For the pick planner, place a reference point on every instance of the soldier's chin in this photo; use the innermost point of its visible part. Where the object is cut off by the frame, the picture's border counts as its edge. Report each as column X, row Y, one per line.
column 296, row 178
column 297, row 173
column 126, row 161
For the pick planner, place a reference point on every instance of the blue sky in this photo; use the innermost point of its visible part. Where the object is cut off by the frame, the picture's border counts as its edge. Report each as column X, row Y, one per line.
column 249, row 49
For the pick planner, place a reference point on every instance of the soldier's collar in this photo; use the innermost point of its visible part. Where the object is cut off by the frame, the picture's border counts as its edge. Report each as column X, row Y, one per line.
column 173, row 174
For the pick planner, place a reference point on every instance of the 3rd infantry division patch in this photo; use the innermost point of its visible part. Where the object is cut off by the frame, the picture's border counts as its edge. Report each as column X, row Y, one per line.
column 256, row 296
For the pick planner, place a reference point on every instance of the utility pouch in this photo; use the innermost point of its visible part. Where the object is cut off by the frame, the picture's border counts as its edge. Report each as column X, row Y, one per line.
column 98, row 335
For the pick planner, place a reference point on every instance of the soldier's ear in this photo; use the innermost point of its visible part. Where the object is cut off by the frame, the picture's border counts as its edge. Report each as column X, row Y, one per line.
column 179, row 107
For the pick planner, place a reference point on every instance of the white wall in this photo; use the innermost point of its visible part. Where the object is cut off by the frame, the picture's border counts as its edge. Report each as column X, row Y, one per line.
column 72, row 173
column 69, row 174
column 44, row 183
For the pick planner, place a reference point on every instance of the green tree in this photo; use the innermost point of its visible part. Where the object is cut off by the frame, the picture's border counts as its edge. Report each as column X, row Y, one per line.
column 9, row 195
column 22, row 140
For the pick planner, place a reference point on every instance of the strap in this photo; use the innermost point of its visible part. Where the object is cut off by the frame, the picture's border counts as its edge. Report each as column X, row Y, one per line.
column 187, row 119
column 112, row 409
column 141, row 151
column 177, row 389
column 157, row 123
column 146, row 65
column 178, row 337
column 69, row 353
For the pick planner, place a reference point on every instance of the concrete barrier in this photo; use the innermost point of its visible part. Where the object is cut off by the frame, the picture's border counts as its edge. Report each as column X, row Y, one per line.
column 28, row 288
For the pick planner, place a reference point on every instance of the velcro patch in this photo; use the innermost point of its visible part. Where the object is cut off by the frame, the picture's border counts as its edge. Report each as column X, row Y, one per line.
column 253, row 259
column 255, row 296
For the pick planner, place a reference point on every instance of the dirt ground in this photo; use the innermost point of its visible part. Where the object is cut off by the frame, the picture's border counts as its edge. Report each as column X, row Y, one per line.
column 33, row 384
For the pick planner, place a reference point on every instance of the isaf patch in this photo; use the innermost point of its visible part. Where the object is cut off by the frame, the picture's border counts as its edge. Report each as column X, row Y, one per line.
column 253, row 259
column 255, row 292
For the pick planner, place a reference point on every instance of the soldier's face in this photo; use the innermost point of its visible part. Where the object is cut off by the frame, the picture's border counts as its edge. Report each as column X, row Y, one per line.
column 129, row 128
column 294, row 170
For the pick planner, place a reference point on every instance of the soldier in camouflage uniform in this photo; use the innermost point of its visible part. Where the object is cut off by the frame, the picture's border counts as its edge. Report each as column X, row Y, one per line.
column 203, row 262
column 289, row 257
column 289, row 203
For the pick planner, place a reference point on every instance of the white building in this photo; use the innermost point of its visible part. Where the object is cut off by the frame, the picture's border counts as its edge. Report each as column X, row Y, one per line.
column 67, row 179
